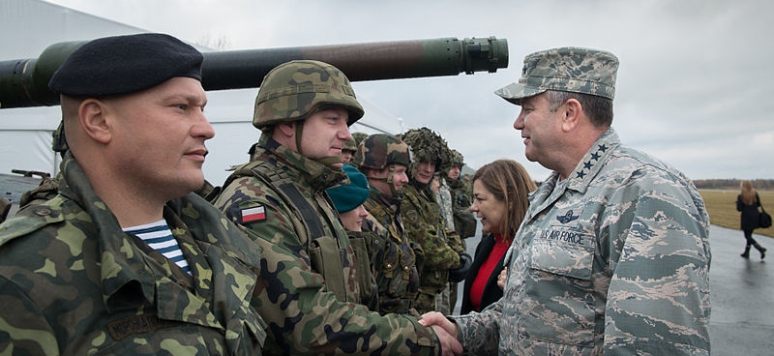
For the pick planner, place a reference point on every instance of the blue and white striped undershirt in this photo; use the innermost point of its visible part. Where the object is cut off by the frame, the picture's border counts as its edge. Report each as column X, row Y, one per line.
column 159, row 237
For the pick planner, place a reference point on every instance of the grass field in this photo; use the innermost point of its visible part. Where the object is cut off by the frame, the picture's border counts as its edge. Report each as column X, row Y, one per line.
column 721, row 206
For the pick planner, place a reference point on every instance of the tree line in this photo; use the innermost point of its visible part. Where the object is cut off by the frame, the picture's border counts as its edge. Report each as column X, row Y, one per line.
column 759, row 184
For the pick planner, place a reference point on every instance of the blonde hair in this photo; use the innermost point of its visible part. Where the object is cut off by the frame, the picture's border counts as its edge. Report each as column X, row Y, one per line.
column 749, row 195
column 510, row 183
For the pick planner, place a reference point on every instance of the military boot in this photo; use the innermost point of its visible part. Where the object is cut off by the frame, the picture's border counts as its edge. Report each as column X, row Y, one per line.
column 761, row 250
column 746, row 253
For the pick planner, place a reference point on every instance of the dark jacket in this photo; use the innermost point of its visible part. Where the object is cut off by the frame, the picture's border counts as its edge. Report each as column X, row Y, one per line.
column 491, row 292
column 749, row 220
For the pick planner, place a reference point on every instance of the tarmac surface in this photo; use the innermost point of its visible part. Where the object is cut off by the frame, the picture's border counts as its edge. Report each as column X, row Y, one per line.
column 741, row 293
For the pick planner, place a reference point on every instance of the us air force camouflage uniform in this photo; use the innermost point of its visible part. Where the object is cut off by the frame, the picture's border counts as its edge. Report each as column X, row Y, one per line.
column 444, row 199
column 73, row 283
column 310, row 292
column 614, row 259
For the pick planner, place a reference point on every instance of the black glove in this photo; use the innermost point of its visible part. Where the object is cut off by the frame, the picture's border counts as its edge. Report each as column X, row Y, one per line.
column 459, row 274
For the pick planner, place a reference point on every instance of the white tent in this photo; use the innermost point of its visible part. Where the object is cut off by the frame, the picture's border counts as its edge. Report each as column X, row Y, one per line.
column 25, row 133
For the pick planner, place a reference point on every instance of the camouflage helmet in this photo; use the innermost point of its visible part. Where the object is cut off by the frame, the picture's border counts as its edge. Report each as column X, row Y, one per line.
column 359, row 137
column 350, row 145
column 293, row 90
column 428, row 146
column 380, row 151
column 457, row 160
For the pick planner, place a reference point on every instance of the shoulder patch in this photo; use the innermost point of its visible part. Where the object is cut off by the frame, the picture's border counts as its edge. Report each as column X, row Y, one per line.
column 252, row 213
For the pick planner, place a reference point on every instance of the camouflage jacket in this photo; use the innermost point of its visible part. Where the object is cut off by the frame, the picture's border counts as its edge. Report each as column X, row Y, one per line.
column 422, row 218
column 613, row 260
column 309, row 295
column 443, row 198
column 394, row 257
column 461, row 194
column 73, row 283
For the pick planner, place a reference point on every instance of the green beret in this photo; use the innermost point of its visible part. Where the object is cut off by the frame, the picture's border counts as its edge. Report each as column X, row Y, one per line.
column 125, row 64
column 571, row 69
column 348, row 197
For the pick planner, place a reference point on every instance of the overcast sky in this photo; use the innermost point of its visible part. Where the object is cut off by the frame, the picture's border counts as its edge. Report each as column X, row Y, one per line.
column 693, row 87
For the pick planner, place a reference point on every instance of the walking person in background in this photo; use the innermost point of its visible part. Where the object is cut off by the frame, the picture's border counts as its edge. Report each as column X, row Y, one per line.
column 748, row 202
column 500, row 199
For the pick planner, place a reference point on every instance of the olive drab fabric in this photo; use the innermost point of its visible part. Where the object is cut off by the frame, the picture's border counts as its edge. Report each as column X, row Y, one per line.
column 394, row 255
column 613, row 260
column 461, row 196
column 310, row 295
column 73, row 283
column 292, row 90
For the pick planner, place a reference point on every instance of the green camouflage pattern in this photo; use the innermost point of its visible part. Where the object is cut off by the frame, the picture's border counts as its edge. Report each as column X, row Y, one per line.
column 394, row 257
column 380, row 150
column 613, row 260
column 350, row 144
column 457, row 159
column 305, row 313
column 73, row 283
column 461, row 194
column 422, row 219
column 294, row 89
column 427, row 146
column 359, row 137
column 571, row 69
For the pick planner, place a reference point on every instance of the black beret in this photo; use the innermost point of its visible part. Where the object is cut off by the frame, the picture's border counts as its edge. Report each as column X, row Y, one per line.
column 125, row 64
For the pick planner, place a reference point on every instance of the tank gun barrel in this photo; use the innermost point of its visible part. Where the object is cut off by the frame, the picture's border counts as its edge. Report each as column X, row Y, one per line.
column 24, row 82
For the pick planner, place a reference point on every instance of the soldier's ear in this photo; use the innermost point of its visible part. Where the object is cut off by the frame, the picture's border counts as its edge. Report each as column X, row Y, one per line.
column 93, row 119
column 287, row 129
column 571, row 114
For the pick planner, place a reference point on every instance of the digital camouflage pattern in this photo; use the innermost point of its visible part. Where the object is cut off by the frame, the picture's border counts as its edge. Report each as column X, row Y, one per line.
column 422, row 219
column 310, row 308
column 613, row 260
column 73, row 283
column 572, row 69
column 394, row 257
column 292, row 90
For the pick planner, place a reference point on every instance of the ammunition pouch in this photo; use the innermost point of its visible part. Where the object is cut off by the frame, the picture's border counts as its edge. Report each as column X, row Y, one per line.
column 368, row 288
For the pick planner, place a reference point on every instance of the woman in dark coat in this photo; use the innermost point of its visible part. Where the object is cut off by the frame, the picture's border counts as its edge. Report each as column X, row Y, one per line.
column 748, row 202
column 500, row 201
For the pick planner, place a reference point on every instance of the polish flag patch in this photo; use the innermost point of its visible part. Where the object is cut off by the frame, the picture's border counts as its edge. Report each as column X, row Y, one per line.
column 257, row 213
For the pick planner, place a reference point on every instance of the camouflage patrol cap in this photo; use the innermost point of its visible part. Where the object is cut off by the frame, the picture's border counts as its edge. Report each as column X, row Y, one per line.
column 380, row 150
column 571, row 69
column 292, row 90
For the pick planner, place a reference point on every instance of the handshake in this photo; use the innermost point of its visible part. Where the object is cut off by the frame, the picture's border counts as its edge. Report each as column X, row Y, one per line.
column 446, row 331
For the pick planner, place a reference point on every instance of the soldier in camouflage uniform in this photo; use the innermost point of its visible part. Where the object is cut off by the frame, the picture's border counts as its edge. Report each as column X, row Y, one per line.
column 613, row 255
column 348, row 151
column 311, row 292
column 422, row 218
column 461, row 193
column 385, row 159
column 74, row 282
column 359, row 137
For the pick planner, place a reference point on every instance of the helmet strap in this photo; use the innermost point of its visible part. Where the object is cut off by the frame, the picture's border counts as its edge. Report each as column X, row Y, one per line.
column 299, row 133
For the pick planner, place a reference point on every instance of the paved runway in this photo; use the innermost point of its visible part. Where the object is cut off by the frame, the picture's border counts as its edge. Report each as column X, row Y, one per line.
column 742, row 294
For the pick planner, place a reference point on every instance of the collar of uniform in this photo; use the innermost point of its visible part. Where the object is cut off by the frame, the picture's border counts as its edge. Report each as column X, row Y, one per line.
column 589, row 166
column 318, row 175
column 119, row 267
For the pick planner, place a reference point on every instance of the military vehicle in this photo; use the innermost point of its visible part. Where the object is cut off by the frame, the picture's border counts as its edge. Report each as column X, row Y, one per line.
column 24, row 82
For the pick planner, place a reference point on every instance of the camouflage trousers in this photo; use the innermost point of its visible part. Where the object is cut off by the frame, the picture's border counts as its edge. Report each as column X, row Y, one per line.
column 433, row 302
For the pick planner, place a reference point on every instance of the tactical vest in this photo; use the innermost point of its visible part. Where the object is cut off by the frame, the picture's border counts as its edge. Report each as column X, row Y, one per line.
column 395, row 263
column 326, row 252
